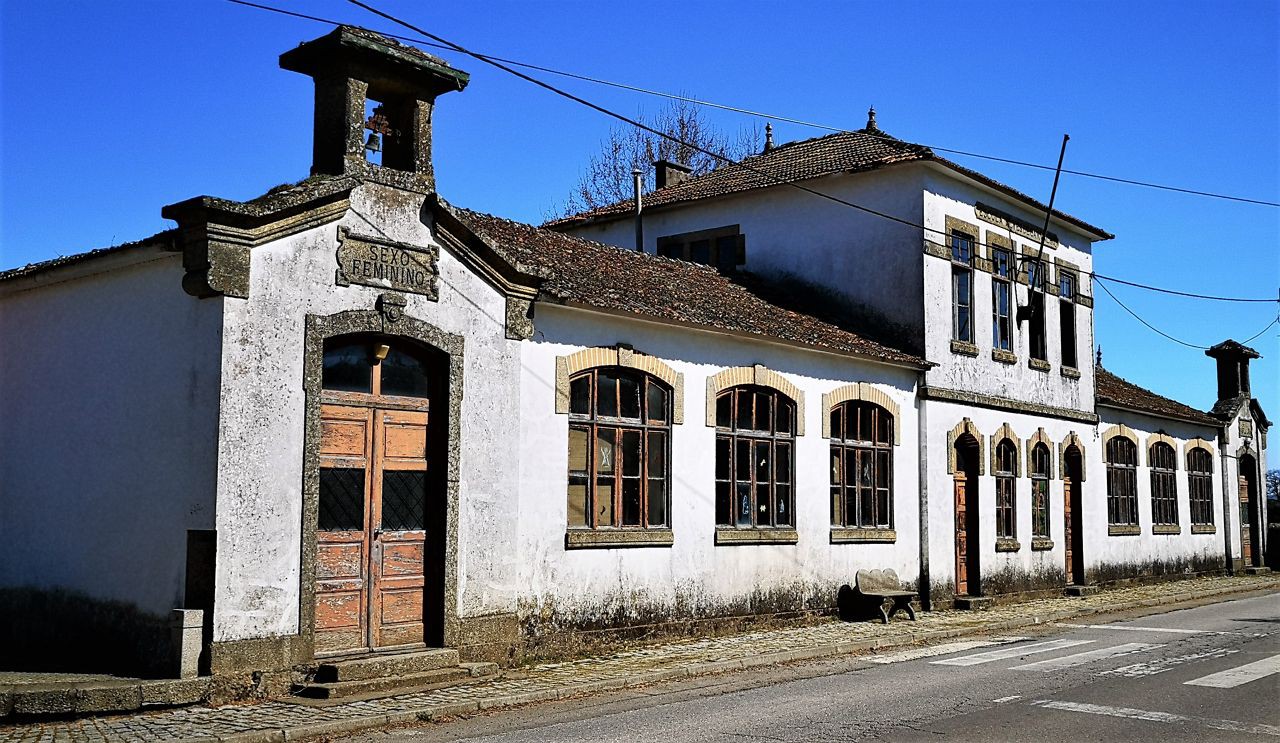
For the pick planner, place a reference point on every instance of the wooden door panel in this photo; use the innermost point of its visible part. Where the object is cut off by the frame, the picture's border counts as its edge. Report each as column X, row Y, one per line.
column 1067, row 485
column 962, row 537
column 342, row 540
column 1246, row 525
column 398, row 575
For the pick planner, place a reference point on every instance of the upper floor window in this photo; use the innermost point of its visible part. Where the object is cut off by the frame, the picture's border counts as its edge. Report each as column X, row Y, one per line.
column 962, row 287
column 1037, row 345
column 722, row 247
column 1040, row 491
column 1067, row 317
column 1164, row 491
column 1006, row 490
column 1001, row 299
column 1122, row 482
column 755, row 458
column 861, row 465
column 619, row 449
column 1200, row 485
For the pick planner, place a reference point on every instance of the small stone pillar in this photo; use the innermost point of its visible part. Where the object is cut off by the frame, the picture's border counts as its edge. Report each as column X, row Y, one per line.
column 186, row 635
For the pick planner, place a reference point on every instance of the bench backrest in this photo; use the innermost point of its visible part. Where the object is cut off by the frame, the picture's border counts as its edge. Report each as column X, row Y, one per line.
column 878, row 580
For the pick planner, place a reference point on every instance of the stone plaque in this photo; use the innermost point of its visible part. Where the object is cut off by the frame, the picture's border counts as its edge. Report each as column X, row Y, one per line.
column 1246, row 428
column 386, row 264
column 991, row 215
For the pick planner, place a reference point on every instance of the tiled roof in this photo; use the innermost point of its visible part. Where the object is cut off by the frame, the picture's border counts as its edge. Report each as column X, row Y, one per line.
column 843, row 152
column 165, row 238
column 1121, row 393
column 611, row 278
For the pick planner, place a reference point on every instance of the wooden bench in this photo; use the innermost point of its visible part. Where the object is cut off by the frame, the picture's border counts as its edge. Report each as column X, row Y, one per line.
column 882, row 585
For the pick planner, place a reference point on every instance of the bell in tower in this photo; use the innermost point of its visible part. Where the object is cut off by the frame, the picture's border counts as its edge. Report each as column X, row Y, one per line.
column 352, row 66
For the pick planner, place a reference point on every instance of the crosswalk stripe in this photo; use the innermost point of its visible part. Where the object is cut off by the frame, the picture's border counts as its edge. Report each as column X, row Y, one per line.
column 1170, row 630
column 1014, row 652
column 1233, row 726
column 926, row 652
column 1089, row 656
column 1233, row 677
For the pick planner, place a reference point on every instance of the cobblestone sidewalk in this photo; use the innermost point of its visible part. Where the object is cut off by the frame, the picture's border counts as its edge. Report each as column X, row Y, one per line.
column 276, row 721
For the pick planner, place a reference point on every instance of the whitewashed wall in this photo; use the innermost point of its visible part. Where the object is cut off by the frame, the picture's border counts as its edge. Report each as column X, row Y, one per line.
column 108, row 422
column 947, row 196
column 260, row 451
column 1102, row 551
column 583, row 588
column 867, row 258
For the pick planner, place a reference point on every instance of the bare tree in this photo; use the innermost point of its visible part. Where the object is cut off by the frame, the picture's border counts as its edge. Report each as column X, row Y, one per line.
column 607, row 177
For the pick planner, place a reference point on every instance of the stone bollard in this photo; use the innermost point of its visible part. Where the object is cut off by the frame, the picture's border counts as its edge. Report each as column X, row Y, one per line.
column 186, row 633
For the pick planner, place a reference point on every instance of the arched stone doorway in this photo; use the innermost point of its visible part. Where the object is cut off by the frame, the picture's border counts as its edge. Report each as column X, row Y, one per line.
column 1250, row 524
column 968, row 455
column 1073, row 513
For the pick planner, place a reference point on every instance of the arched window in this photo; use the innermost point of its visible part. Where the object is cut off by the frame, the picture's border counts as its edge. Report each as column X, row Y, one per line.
column 1006, row 490
column 1200, row 485
column 619, row 449
column 1040, row 491
column 755, row 458
column 375, row 365
column 1122, row 482
column 1164, row 489
column 861, row 466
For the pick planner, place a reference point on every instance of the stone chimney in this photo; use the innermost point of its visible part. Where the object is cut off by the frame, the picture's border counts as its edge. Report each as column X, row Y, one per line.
column 1233, row 368
column 667, row 173
column 351, row 66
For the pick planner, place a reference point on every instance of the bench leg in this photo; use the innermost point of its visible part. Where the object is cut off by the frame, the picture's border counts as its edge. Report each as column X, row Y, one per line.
column 884, row 615
column 910, row 612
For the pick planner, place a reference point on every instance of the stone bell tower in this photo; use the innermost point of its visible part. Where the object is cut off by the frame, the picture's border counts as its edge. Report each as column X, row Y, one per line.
column 352, row 66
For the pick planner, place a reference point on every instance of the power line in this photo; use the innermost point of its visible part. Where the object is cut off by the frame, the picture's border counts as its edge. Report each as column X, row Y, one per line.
column 1158, row 331
column 774, row 117
column 441, row 43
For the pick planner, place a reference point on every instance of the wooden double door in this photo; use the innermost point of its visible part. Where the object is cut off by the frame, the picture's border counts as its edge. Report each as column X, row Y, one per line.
column 372, row 535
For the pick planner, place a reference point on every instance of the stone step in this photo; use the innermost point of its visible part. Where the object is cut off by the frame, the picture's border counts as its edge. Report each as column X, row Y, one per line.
column 1256, row 571
column 385, row 686
column 1078, row 590
column 974, row 603
column 381, row 666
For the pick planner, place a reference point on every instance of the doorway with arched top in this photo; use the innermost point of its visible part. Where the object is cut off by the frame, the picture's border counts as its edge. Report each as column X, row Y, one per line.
column 968, row 557
column 1073, row 513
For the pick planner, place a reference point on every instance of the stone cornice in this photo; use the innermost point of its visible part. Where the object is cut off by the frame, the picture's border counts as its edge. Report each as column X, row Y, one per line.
column 1003, row 403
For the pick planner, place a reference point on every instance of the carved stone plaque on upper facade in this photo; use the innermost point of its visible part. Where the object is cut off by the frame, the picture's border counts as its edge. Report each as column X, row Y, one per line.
column 1246, row 428
column 386, row 264
column 991, row 215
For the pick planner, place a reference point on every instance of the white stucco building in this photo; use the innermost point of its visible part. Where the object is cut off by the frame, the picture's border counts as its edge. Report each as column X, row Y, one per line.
column 348, row 417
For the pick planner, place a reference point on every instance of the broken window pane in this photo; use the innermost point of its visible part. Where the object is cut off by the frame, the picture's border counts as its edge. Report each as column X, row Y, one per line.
column 724, row 503
column 657, row 454
column 744, row 503
column 580, row 396
column 628, row 397
column 607, row 394
column 347, row 367
column 782, row 493
column 631, row 502
column 657, row 502
column 604, row 502
column 657, row 402
column 724, row 410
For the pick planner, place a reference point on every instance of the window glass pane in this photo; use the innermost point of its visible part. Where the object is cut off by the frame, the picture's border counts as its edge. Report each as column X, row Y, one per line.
column 764, row 515
column 657, row 402
column 630, row 453
column 762, row 461
column 745, row 416
column 607, row 394
column 577, row 501
column 657, row 502
column 764, row 410
column 722, row 457
column 700, row 251
column 404, row 373
column 631, row 503
column 885, row 434
column 866, row 470
column 866, row 507
column 786, row 412
column 724, row 410
column 782, row 463
column 629, row 396
column 580, row 396
column 347, row 368
column 404, row 497
column 743, row 504
column 604, row 502
column 837, row 513
column 882, row 469
column 604, row 450
column 657, row 454
column 836, row 469
column 850, row 506
column 743, row 463
column 341, row 499
column 578, row 449
column 883, row 514
column 724, row 503
column 782, row 493
column 837, row 420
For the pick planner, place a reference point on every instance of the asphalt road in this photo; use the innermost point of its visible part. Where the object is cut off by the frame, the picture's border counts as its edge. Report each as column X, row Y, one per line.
column 1207, row 673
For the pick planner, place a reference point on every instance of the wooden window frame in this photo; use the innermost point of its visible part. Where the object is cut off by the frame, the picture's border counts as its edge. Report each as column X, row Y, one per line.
column 962, row 247
column 734, row 438
column 1002, row 283
column 1006, row 473
column 1162, row 461
column 1122, row 481
column 1068, row 285
column 1200, row 486
column 1037, row 333
column 682, row 246
column 878, row 450
column 1040, row 500
column 592, row 423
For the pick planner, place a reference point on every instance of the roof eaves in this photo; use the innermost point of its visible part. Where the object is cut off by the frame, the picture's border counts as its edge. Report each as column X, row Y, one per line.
column 164, row 239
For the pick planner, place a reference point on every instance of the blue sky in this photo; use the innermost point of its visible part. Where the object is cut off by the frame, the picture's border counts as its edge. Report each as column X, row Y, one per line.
column 111, row 110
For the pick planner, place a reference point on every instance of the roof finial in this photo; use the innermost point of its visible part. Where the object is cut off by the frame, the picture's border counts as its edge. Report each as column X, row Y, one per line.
column 768, row 136
column 871, row 118
column 1099, row 359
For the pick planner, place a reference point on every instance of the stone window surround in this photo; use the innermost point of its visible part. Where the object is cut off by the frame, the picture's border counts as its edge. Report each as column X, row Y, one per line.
column 1040, row 437
column 1072, row 439
column 1160, row 437
column 1005, row 431
column 1198, row 443
column 864, row 392
column 759, row 376
column 953, row 225
column 618, row 355
column 1119, row 429
column 1123, row 431
column 965, row 426
column 983, row 262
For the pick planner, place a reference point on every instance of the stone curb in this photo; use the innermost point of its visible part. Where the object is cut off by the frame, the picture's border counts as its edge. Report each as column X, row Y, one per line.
column 439, row 711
